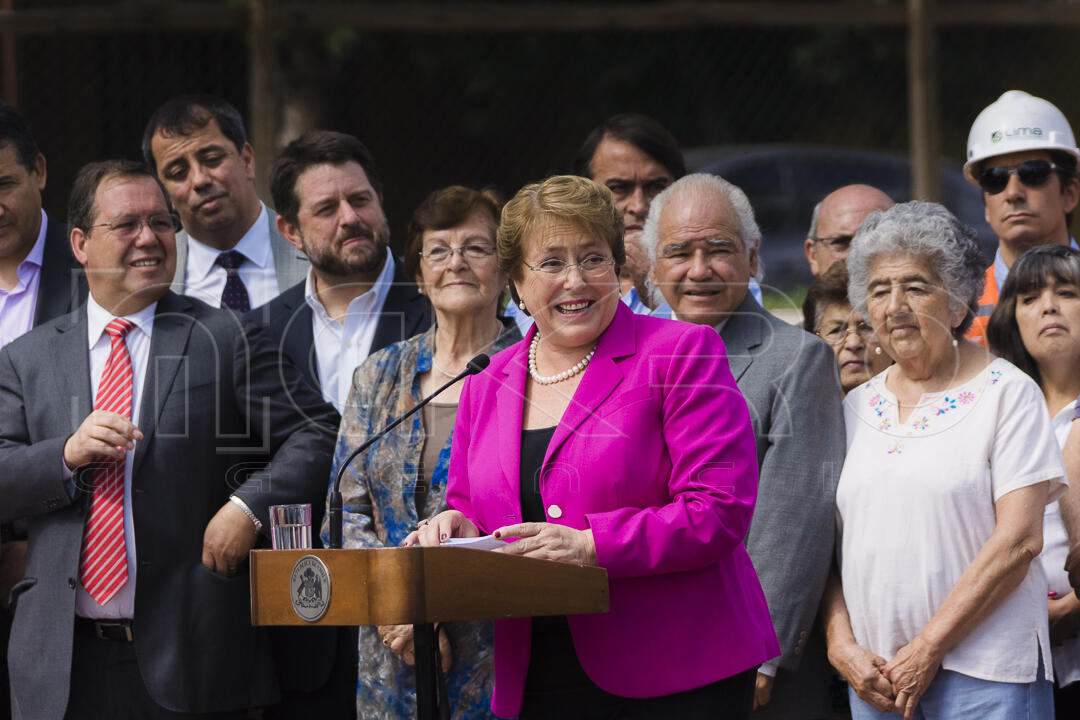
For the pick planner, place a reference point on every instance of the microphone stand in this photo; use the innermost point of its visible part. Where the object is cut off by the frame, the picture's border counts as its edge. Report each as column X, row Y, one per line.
column 334, row 511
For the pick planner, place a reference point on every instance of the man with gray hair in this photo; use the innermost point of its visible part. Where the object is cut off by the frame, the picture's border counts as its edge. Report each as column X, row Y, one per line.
column 703, row 242
column 835, row 220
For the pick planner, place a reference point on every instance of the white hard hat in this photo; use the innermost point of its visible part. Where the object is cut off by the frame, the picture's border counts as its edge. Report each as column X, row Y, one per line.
column 1017, row 122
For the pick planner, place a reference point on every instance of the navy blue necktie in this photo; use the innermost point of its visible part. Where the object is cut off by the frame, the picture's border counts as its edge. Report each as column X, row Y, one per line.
column 235, row 295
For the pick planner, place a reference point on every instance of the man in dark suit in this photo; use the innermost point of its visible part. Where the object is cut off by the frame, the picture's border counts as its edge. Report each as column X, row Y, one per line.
column 356, row 298
column 703, row 241
column 39, row 280
column 138, row 449
column 354, row 301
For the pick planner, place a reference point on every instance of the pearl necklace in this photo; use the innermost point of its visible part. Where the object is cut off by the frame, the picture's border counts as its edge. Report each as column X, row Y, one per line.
column 565, row 374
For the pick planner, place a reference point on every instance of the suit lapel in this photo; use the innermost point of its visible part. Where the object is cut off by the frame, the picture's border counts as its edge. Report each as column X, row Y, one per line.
column 181, row 263
column 601, row 377
column 285, row 255
column 741, row 333
column 509, row 407
column 61, row 276
column 298, row 341
column 73, row 374
column 168, row 342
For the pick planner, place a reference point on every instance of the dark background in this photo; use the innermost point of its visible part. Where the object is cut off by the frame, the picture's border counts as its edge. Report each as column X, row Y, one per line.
column 506, row 108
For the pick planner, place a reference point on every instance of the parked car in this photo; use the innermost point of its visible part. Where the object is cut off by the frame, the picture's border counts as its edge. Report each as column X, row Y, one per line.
column 784, row 182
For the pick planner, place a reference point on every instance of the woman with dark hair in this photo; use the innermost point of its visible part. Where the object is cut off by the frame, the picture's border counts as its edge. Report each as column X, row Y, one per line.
column 827, row 313
column 400, row 481
column 1036, row 326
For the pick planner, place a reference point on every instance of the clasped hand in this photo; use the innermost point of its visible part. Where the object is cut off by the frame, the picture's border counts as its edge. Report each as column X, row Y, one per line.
column 896, row 685
column 544, row 541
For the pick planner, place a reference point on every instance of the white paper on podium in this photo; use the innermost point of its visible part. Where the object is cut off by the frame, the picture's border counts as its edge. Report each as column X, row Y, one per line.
column 487, row 542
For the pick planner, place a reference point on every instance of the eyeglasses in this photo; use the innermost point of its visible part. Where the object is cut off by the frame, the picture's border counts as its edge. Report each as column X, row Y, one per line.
column 129, row 227
column 1032, row 173
column 840, row 243
column 440, row 254
column 594, row 265
column 837, row 335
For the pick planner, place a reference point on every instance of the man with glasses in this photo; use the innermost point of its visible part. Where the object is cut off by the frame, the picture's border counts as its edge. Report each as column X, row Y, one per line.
column 1022, row 154
column 702, row 239
column 143, row 437
column 835, row 220
column 230, row 253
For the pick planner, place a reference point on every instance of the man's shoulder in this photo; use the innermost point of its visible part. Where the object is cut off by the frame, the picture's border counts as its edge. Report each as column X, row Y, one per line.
column 276, row 314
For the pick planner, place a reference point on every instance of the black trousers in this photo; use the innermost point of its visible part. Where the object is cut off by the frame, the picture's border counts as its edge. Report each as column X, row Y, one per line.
column 557, row 688
column 106, row 683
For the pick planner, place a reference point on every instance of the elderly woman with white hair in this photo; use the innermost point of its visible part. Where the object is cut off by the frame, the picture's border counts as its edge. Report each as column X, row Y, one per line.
column 937, row 610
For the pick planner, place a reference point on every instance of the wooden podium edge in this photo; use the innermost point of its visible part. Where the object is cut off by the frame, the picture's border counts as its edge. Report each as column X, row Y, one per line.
column 388, row 586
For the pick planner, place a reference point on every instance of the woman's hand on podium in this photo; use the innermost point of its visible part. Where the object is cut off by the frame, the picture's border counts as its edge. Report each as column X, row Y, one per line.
column 399, row 640
column 447, row 524
column 548, row 541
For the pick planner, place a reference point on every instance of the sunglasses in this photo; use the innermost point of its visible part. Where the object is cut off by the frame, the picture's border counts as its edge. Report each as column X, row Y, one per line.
column 1032, row 173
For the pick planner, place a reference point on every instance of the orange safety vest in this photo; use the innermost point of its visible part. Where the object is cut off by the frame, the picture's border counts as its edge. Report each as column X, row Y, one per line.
column 987, row 303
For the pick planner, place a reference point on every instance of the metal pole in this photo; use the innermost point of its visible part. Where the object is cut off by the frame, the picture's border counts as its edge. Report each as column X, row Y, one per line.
column 262, row 105
column 923, row 101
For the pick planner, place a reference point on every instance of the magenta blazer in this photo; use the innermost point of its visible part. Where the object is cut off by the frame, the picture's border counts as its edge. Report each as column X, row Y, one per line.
column 656, row 454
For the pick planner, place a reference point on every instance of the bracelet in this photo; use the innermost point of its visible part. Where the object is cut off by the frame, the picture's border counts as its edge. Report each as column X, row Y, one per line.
column 247, row 511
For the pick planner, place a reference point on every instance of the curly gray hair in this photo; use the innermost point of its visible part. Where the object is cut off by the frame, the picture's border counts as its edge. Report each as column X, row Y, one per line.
column 929, row 232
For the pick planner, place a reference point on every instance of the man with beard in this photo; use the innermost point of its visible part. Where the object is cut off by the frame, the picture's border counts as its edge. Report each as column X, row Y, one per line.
column 354, row 300
column 230, row 253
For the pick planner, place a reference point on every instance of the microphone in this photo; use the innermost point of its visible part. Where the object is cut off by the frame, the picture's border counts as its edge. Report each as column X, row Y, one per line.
column 334, row 512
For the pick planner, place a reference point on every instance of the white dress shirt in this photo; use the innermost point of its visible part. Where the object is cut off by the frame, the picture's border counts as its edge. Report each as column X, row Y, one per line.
column 341, row 347
column 122, row 604
column 205, row 279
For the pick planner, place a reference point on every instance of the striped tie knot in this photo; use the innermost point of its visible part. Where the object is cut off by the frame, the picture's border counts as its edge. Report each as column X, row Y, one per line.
column 118, row 328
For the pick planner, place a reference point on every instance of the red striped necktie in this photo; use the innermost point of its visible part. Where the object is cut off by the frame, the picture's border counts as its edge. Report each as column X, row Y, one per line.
column 103, row 562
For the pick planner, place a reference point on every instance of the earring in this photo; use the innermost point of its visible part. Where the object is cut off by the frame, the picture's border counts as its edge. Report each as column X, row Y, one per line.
column 955, row 342
column 521, row 305
column 877, row 350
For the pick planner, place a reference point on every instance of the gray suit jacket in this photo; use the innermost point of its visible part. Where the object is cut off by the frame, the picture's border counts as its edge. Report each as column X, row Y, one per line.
column 792, row 386
column 212, row 415
column 290, row 265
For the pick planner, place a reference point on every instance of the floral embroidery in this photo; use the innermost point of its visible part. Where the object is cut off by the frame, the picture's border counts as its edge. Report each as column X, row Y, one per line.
column 935, row 407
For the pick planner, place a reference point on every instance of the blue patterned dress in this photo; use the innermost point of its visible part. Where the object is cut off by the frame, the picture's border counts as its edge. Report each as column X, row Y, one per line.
column 386, row 385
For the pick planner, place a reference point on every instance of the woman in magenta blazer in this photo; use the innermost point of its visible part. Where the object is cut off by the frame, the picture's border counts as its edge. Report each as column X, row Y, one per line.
column 619, row 440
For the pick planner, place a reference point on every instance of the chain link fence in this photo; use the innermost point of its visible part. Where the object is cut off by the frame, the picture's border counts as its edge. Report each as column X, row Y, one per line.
column 505, row 108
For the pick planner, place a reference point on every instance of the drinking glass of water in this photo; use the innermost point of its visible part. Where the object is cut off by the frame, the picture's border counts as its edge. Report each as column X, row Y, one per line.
column 290, row 527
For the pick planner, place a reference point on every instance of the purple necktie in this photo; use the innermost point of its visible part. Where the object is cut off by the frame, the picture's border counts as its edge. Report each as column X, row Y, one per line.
column 235, row 295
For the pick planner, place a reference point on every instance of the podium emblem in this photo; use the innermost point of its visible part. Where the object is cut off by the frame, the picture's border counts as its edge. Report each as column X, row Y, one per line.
column 309, row 588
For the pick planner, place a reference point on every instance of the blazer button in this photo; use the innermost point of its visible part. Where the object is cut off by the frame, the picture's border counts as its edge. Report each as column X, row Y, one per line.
column 71, row 583
column 554, row 511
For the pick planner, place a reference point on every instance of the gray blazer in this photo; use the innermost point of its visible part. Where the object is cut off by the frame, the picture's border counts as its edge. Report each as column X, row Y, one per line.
column 791, row 383
column 290, row 265
column 212, row 415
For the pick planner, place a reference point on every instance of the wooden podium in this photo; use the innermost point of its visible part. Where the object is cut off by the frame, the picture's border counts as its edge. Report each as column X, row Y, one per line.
column 418, row 586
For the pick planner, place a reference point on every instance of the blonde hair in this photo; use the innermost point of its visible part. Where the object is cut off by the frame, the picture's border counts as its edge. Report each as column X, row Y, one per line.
column 584, row 203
